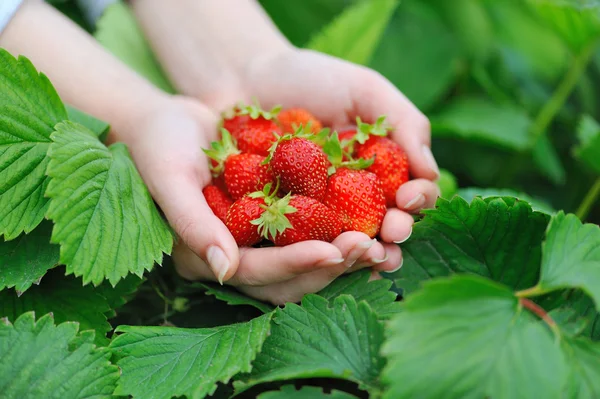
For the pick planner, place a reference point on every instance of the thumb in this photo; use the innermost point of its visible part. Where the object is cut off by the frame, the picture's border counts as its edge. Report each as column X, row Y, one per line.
column 180, row 197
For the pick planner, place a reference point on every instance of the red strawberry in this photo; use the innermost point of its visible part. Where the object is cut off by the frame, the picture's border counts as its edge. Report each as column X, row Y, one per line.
column 254, row 129
column 292, row 118
column 296, row 218
column 390, row 165
column 357, row 197
column 239, row 218
column 243, row 173
column 300, row 165
column 218, row 200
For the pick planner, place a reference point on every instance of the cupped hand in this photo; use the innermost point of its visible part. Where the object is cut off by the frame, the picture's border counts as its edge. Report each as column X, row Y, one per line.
column 166, row 143
column 336, row 92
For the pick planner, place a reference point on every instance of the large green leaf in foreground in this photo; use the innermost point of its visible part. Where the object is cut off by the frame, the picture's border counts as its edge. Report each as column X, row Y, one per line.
column 43, row 361
column 499, row 238
column 29, row 109
column 318, row 340
column 161, row 362
column 104, row 217
column 468, row 337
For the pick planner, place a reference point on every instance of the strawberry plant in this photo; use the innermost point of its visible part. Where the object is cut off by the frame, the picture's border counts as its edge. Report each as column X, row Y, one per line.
column 499, row 293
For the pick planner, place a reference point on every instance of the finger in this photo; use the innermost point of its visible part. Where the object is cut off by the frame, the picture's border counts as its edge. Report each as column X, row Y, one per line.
column 394, row 259
column 181, row 199
column 375, row 276
column 375, row 96
column 352, row 246
column 415, row 195
column 397, row 226
column 263, row 266
column 374, row 255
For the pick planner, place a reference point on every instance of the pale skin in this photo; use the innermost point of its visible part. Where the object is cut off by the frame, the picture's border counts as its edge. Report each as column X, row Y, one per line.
column 217, row 53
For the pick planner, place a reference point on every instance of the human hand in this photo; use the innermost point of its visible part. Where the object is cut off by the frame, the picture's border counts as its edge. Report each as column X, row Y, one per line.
column 166, row 143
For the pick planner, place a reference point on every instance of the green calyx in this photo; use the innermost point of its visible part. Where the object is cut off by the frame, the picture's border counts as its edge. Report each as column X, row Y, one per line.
column 221, row 150
column 335, row 153
column 303, row 132
column 255, row 111
column 365, row 130
column 273, row 220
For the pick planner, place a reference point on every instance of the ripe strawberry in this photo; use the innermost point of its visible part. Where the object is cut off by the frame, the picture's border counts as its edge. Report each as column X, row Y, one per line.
column 254, row 129
column 300, row 165
column 243, row 173
column 357, row 197
column 304, row 218
column 239, row 218
column 292, row 118
column 218, row 201
column 390, row 165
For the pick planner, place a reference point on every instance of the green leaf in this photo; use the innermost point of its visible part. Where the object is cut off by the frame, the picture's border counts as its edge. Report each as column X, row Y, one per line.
column 66, row 298
column 41, row 360
column 29, row 109
column 468, row 337
column 161, row 362
column 481, row 121
column 568, row 321
column 447, row 183
column 577, row 24
column 588, row 134
column 498, row 238
column 234, row 297
column 119, row 32
column 25, row 260
column 120, row 294
column 306, row 392
column 356, row 32
column 104, row 217
column 376, row 293
column 571, row 256
column 418, row 54
column 315, row 340
column 583, row 356
column 100, row 128
column 547, row 161
column 537, row 204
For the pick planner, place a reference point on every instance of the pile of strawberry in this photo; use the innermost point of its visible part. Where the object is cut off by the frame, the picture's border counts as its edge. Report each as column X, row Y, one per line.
column 279, row 176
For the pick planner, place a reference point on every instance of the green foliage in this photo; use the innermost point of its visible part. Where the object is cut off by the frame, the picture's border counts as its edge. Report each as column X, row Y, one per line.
column 318, row 340
column 97, row 126
column 307, row 392
column 43, row 360
column 588, row 149
column 98, row 194
column 119, row 33
column 149, row 356
column 497, row 237
column 29, row 109
column 356, row 32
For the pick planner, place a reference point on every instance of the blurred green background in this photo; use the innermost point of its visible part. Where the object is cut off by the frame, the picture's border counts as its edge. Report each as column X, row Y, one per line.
column 510, row 86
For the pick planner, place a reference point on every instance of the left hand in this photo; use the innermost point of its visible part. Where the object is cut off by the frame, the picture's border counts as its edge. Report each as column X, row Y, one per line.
column 336, row 92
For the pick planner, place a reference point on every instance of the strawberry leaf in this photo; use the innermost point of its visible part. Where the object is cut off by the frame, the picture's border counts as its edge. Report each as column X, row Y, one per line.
column 118, row 31
column 41, row 360
column 583, row 356
column 476, row 331
column 537, row 204
column 356, row 32
column 316, row 340
column 376, row 293
column 587, row 152
column 66, row 298
column 29, row 109
column 25, row 260
column 571, row 256
column 307, row 392
column 100, row 128
column 162, row 362
column 496, row 237
column 105, row 219
column 235, row 297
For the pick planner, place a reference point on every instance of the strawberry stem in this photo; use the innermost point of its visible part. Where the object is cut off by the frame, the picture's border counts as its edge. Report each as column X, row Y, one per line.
column 541, row 313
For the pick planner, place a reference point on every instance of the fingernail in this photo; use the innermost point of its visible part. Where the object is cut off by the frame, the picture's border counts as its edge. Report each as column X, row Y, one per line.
column 415, row 203
column 358, row 250
column 218, row 262
column 406, row 238
column 431, row 160
column 398, row 268
column 378, row 261
column 366, row 244
column 330, row 262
